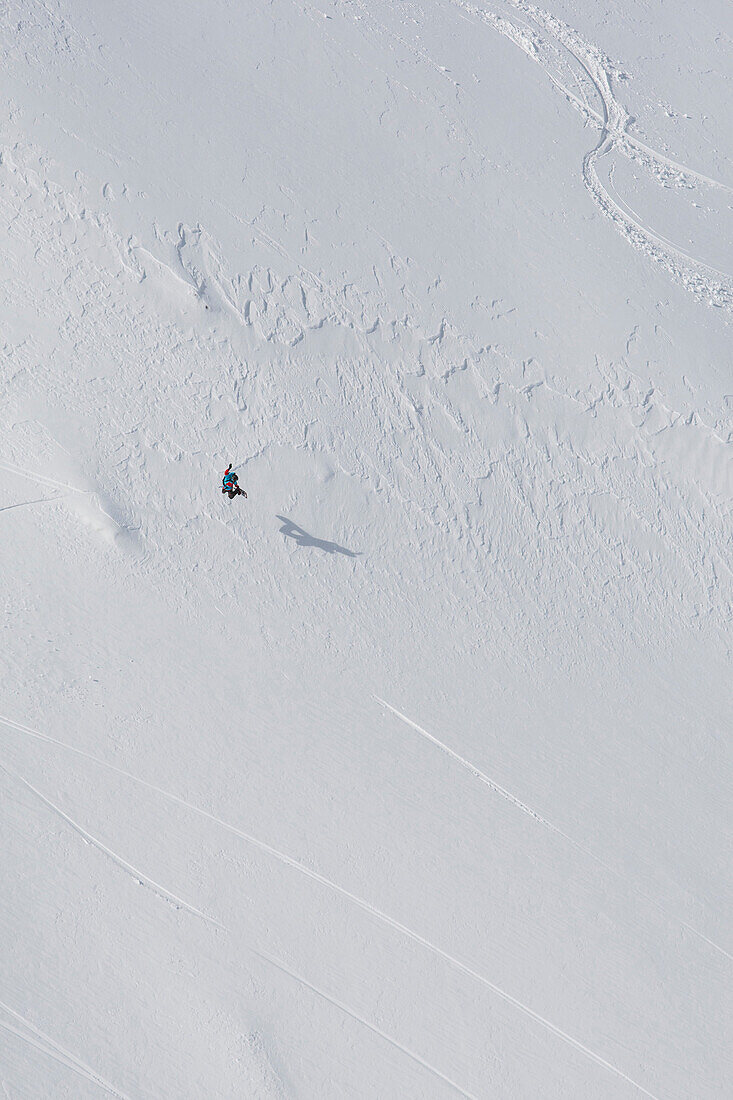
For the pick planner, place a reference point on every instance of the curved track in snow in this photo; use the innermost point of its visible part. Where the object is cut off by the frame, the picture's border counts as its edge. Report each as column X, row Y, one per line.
column 545, row 39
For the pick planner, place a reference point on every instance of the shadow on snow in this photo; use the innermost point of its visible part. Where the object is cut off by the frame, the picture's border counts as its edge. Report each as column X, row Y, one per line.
column 293, row 531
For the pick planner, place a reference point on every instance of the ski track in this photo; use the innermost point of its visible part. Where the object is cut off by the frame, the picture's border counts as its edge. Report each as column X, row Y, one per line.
column 509, row 797
column 279, row 965
column 142, row 879
column 696, row 275
column 612, row 122
column 41, row 478
column 25, row 503
column 364, row 905
column 636, row 219
column 54, row 1050
column 178, row 903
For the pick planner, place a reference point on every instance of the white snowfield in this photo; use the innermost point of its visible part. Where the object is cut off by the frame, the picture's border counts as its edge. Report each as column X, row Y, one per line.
column 409, row 776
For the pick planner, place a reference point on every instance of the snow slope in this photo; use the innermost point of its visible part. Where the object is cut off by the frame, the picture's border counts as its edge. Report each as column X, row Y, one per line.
column 409, row 775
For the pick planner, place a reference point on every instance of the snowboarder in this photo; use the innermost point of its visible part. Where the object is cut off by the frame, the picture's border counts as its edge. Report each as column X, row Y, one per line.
column 229, row 484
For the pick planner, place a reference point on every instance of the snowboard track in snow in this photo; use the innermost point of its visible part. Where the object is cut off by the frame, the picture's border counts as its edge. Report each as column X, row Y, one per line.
column 509, row 797
column 364, row 905
column 543, row 32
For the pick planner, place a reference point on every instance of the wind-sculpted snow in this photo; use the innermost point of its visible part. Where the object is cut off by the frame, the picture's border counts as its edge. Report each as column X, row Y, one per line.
column 403, row 775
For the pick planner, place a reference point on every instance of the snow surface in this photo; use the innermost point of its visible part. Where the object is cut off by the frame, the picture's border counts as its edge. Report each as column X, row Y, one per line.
column 409, row 775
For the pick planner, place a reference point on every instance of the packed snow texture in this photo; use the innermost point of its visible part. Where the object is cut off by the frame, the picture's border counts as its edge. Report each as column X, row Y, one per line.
column 409, row 775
